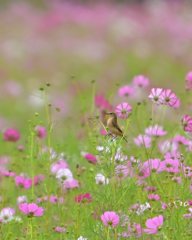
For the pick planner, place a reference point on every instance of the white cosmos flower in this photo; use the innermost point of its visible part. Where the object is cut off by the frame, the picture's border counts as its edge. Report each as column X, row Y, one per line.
column 100, row 179
column 100, row 148
column 6, row 215
column 81, row 238
column 22, row 199
column 142, row 208
column 64, row 175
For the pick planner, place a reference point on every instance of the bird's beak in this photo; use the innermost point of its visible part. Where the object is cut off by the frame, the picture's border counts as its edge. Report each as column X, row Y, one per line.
column 107, row 113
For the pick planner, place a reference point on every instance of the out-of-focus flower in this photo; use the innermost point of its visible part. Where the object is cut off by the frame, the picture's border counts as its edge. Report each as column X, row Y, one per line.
column 22, row 199
column 121, row 172
column 156, row 95
column 31, row 209
column 140, row 81
column 154, row 224
column 177, row 179
column 11, row 135
column 181, row 140
column 56, row 166
column 40, row 131
column 60, row 229
column 8, row 173
column 38, row 179
column 64, row 175
column 168, row 98
column 134, row 230
column 82, row 238
column 101, row 179
column 123, row 110
column 142, row 208
column 110, row 218
column 153, row 197
column 73, row 184
column 143, row 140
column 20, row 148
column 83, row 198
column 6, row 215
column 187, row 123
column 91, row 159
column 188, row 84
column 23, row 183
column 164, row 206
column 188, row 215
column 126, row 91
column 155, row 131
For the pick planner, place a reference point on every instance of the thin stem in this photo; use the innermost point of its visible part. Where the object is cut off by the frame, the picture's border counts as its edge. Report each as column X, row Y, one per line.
column 31, row 228
column 93, row 97
column 32, row 167
column 108, row 232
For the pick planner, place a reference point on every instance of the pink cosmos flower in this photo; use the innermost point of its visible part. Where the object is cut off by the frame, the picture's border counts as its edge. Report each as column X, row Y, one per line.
column 155, row 130
column 154, row 165
column 168, row 98
column 20, row 148
column 143, row 140
column 170, row 165
column 23, row 183
column 190, row 202
column 153, row 197
column 164, row 206
column 119, row 157
column 154, row 224
column 181, row 140
column 22, row 199
column 56, row 166
column 149, row 189
column 110, row 218
column 177, row 179
column 134, row 230
column 188, row 78
column 123, row 110
column 60, row 229
column 142, row 173
column 126, row 91
column 99, row 99
column 187, row 123
column 167, row 146
column 83, row 198
column 121, row 172
column 156, row 95
column 8, row 174
column 73, row 184
column 140, row 81
column 11, row 135
column 38, row 179
column 31, row 209
column 188, row 215
column 53, row 199
column 91, row 159
column 40, row 131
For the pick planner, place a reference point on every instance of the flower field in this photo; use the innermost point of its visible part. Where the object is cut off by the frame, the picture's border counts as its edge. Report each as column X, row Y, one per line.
column 96, row 121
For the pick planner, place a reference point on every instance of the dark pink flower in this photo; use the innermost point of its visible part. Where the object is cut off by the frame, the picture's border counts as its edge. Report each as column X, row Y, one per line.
column 60, row 229
column 123, row 110
column 143, row 140
column 187, row 123
column 140, row 81
column 154, row 224
column 83, row 198
column 168, row 98
column 190, row 202
column 126, row 91
column 40, row 131
column 156, row 95
column 91, row 159
column 11, row 135
column 153, row 197
column 21, row 182
column 31, row 209
column 188, row 78
column 155, row 130
column 8, row 173
column 38, row 179
column 110, row 218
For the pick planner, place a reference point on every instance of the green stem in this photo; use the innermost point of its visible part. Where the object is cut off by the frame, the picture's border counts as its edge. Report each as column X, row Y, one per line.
column 32, row 167
column 31, row 228
column 108, row 232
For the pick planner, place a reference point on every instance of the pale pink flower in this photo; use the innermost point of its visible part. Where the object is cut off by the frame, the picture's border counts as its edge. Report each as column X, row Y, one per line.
column 164, row 206
column 23, row 183
column 176, row 179
column 101, row 179
column 143, row 140
column 149, row 189
column 60, row 164
column 155, row 131
column 119, row 157
column 123, row 110
column 110, row 218
column 99, row 99
column 168, row 98
column 181, row 140
column 142, row 172
column 187, row 123
column 53, row 199
column 134, row 230
column 31, row 209
column 60, row 229
column 167, row 146
column 38, row 179
column 90, row 158
column 64, row 175
column 72, row 184
column 170, row 165
column 20, row 148
column 40, row 131
column 121, row 172
column 154, row 165
column 188, row 215
column 154, row 224
column 22, row 199
column 11, row 135
column 156, row 95
column 7, row 215
column 140, row 81
column 153, row 197
column 126, row 91
column 83, row 198
column 188, row 78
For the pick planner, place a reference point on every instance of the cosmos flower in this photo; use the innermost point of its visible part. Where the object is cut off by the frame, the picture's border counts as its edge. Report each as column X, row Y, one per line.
column 31, row 209
column 91, row 159
column 187, row 123
column 11, row 135
column 140, row 81
column 134, row 230
column 60, row 229
column 40, row 131
column 101, row 179
column 188, row 215
column 126, row 91
column 168, row 98
column 153, row 197
column 155, row 131
column 64, row 175
column 56, row 166
column 143, row 140
column 83, row 198
column 110, row 218
column 7, row 215
column 123, row 110
column 22, row 199
column 38, row 179
column 156, row 95
column 188, row 84
column 23, row 183
column 154, row 224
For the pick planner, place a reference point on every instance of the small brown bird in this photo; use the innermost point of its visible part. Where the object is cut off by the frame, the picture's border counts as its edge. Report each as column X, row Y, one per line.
column 113, row 125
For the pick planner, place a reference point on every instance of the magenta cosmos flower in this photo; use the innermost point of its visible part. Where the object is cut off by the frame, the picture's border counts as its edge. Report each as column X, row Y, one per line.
column 156, row 95
column 123, row 110
column 153, row 197
column 11, row 135
column 187, row 123
column 31, row 209
column 140, row 81
column 83, row 198
column 60, row 229
column 169, row 98
column 154, row 224
column 38, row 179
column 188, row 78
column 90, row 158
column 126, row 91
column 21, row 182
column 110, row 218
column 40, row 131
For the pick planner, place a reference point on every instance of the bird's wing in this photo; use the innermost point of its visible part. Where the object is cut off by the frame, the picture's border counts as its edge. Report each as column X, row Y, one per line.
column 114, row 123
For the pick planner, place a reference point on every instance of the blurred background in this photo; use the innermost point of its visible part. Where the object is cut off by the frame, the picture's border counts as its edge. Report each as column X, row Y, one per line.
column 71, row 43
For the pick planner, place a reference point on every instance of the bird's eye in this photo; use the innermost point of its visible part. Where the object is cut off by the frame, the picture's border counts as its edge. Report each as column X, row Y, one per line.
column 110, row 113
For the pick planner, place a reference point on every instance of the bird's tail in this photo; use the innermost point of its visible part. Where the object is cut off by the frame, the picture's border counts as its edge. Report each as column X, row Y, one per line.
column 125, row 139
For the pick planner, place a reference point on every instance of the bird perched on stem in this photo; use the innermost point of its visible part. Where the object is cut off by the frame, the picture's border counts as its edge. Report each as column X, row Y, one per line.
column 113, row 125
